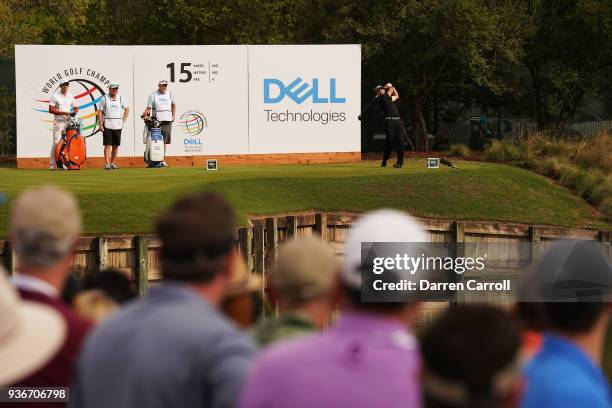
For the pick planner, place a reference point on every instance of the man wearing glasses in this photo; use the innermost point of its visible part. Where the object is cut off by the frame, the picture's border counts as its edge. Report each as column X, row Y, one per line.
column 60, row 104
column 161, row 105
column 112, row 114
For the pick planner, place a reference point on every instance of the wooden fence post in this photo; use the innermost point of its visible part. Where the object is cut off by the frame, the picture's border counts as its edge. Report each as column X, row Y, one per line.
column 258, row 248
column 321, row 225
column 9, row 258
column 535, row 239
column 459, row 251
column 142, row 266
column 292, row 226
column 271, row 245
column 245, row 245
column 101, row 253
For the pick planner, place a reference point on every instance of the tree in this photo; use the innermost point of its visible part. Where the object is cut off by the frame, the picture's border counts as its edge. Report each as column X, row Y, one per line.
column 427, row 45
column 568, row 56
column 40, row 22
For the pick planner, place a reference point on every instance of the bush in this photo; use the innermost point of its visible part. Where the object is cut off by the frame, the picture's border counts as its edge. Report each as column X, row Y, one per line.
column 7, row 121
column 606, row 208
column 540, row 144
column 505, row 150
column 459, row 150
column 596, row 153
column 583, row 166
column 591, row 185
column 568, row 175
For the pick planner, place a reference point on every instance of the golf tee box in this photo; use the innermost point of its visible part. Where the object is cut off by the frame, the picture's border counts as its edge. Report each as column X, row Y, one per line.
column 433, row 162
column 211, row 164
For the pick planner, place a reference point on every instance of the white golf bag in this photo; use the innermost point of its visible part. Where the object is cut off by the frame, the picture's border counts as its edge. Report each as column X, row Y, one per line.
column 154, row 143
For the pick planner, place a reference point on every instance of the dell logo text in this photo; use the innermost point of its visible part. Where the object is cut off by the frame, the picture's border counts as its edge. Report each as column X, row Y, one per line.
column 299, row 91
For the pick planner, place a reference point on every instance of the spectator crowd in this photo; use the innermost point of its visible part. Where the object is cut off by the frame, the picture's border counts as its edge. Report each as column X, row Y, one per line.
column 204, row 337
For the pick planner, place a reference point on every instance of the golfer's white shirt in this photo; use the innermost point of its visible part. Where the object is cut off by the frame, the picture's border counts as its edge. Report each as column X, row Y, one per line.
column 62, row 103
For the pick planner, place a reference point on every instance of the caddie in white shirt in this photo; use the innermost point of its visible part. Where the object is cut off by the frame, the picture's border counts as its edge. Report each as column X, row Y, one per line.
column 163, row 107
column 60, row 104
column 112, row 114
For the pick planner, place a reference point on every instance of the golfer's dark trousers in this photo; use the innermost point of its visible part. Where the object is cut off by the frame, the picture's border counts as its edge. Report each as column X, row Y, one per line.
column 394, row 128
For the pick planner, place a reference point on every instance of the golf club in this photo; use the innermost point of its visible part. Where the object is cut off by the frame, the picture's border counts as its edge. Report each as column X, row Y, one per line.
column 367, row 106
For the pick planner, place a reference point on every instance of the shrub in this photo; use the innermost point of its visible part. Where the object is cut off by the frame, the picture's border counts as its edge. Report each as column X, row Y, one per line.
column 606, row 208
column 568, row 175
column 591, row 185
column 459, row 150
column 505, row 150
column 596, row 152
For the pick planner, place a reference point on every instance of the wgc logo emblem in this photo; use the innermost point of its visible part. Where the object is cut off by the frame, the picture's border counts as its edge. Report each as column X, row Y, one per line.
column 87, row 95
column 192, row 123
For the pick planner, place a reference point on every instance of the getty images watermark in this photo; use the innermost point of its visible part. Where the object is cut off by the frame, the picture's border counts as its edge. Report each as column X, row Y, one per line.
column 498, row 271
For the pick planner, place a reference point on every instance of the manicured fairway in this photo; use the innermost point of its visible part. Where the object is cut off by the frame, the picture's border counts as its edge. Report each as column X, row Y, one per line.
column 127, row 200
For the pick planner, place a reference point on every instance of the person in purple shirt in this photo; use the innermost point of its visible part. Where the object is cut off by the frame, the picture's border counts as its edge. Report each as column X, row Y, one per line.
column 368, row 358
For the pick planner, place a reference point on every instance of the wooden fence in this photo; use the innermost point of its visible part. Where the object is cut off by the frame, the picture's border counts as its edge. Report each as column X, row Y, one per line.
column 258, row 242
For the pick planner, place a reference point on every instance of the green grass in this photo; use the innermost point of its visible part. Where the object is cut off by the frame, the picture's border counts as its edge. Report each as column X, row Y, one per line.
column 128, row 200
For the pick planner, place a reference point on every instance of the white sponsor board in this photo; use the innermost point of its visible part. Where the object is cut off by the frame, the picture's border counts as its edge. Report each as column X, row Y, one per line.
column 39, row 69
column 210, row 88
column 304, row 98
column 229, row 99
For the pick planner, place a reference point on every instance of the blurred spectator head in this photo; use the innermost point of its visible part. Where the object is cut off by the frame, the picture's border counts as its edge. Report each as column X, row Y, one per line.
column 30, row 334
column 575, row 318
column 378, row 226
column 242, row 301
column 471, row 359
column 45, row 224
column 574, row 281
column 305, row 273
column 95, row 296
column 197, row 243
column 196, row 234
column 532, row 320
column 531, row 316
column 115, row 285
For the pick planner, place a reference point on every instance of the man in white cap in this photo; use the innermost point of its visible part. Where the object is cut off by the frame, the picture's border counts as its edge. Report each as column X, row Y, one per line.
column 113, row 111
column 30, row 334
column 162, row 106
column 368, row 358
column 45, row 226
column 60, row 105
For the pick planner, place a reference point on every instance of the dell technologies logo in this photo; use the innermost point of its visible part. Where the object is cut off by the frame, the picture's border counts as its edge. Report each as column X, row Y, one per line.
column 299, row 91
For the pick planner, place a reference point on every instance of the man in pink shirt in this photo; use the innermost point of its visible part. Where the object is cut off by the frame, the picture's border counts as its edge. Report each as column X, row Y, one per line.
column 368, row 358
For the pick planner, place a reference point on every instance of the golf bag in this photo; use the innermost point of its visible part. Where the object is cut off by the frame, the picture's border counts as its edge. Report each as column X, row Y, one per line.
column 71, row 150
column 154, row 143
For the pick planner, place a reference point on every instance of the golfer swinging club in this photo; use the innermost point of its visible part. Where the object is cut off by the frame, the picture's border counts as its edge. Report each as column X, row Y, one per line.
column 394, row 127
column 59, row 106
column 161, row 105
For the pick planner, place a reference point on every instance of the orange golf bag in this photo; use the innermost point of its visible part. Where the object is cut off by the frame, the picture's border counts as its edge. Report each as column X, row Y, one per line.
column 71, row 151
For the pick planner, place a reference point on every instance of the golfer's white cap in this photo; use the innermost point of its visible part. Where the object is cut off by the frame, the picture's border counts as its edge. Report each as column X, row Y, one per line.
column 163, row 82
column 383, row 225
column 30, row 334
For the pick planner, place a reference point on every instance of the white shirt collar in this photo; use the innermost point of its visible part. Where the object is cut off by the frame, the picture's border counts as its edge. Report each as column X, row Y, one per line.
column 33, row 284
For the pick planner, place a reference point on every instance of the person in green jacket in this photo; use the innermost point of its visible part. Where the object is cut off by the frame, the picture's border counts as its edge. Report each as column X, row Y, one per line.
column 301, row 284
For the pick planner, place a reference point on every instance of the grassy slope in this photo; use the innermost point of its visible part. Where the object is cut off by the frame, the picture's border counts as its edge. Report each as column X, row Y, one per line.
column 129, row 199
